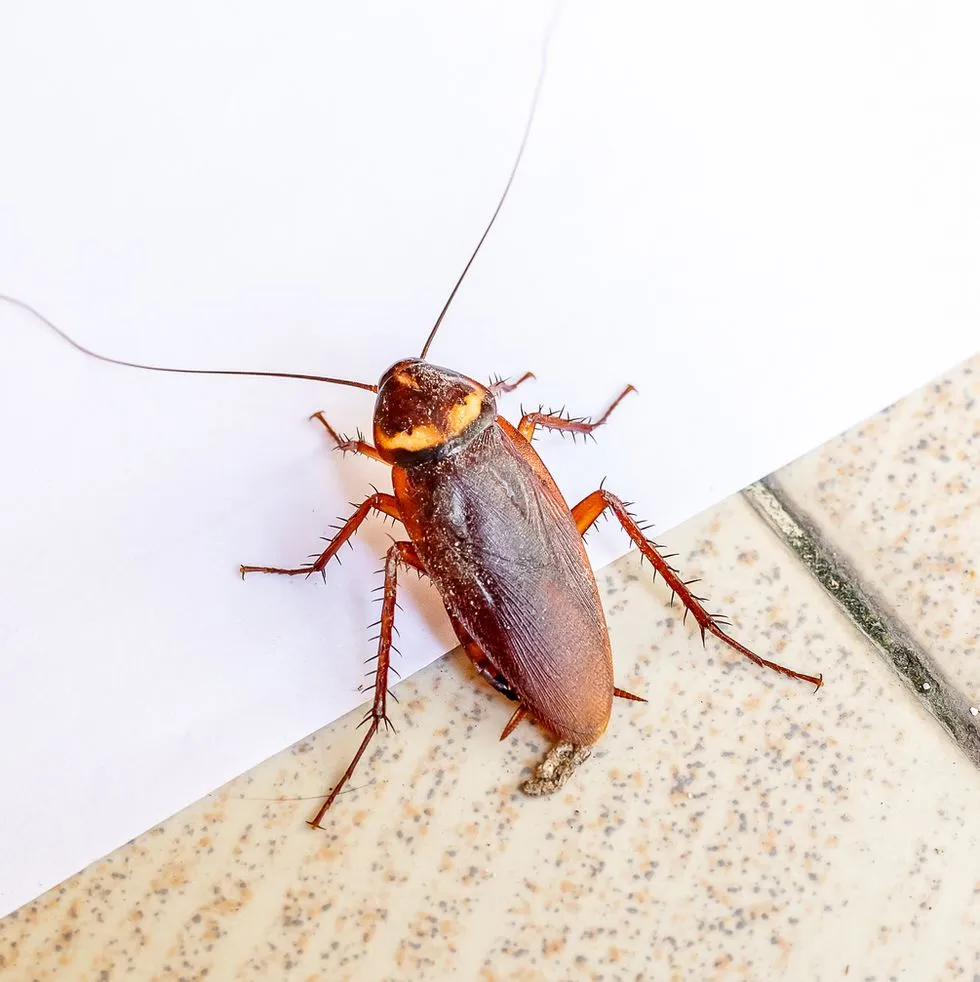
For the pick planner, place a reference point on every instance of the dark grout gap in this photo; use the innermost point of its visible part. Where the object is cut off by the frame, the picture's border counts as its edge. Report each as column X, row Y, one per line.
column 873, row 617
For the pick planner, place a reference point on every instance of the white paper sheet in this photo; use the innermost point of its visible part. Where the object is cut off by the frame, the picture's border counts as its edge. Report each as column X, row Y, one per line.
column 762, row 215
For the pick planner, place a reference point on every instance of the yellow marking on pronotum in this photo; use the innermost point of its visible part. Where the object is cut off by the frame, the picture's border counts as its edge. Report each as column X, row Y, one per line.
column 403, row 378
column 463, row 413
column 417, row 438
column 427, row 436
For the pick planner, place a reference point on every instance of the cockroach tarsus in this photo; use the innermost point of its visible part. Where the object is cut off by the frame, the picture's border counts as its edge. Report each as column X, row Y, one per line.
column 489, row 527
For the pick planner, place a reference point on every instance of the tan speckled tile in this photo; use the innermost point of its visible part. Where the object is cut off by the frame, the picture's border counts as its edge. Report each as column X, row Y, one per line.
column 735, row 827
column 899, row 497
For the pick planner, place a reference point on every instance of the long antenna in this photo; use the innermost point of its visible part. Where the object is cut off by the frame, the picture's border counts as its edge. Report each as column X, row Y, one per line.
column 510, row 180
column 176, row 371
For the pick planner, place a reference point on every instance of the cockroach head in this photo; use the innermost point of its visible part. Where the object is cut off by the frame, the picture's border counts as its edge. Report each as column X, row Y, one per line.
column 424, row 412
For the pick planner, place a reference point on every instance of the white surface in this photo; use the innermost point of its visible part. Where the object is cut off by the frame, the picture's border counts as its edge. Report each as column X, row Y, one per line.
column 766, row 217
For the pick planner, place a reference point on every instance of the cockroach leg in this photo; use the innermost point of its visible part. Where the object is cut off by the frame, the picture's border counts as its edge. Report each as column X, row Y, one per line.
column 555, row 769
column 590, row 508
column 348, row 446
column 400, row 552
column 515, row 718
column 385, row 503
column 551, row 421
column 503, row 385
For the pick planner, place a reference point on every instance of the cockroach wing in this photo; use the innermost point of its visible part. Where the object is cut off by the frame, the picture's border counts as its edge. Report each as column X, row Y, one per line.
column 499, row 542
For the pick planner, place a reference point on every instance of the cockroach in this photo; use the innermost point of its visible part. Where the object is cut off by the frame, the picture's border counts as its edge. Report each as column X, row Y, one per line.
column 489, row 527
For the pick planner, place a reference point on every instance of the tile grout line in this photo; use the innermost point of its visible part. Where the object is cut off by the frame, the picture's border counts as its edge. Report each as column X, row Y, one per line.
column 874, row 618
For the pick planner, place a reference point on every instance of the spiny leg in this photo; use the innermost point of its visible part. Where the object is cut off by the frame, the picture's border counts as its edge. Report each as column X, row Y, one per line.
column 484, row 667
column 502, row 385
column 590, row 508
column 552, row 421
column 345, row 445
column 400, row 552
column 384, row 503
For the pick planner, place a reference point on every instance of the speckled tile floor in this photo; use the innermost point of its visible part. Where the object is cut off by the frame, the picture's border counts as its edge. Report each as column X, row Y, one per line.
column 737, row 826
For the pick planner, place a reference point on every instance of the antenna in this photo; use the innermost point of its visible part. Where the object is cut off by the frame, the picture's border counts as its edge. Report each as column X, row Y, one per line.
column 510, row 180
column 176, row 371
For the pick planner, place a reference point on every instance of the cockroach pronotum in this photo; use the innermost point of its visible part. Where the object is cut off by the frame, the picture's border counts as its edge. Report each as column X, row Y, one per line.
column 489, row 527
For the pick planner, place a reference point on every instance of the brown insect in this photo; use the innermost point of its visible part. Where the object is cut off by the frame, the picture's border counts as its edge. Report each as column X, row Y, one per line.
column 488, row 525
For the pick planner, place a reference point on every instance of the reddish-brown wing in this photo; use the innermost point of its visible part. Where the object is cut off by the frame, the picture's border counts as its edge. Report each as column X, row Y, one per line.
column 498, row 540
